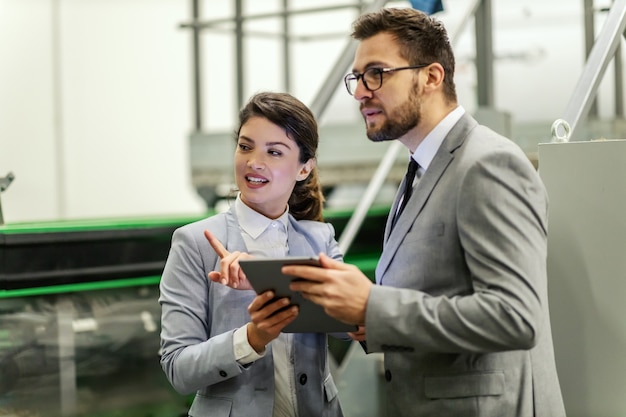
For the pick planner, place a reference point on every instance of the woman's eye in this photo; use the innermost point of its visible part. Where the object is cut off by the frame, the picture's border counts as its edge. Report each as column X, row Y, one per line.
column 274, row 152
column 243, row 146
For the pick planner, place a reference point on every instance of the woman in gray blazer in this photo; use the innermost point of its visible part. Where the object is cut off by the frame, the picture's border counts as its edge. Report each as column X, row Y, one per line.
column 226, row 344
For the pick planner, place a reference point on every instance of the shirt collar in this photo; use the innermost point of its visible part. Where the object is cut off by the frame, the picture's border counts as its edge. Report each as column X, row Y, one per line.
column 426, row 150
column 254, row 223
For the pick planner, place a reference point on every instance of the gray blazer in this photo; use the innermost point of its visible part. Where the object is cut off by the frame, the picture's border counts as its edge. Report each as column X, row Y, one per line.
column 199, row 317
column 461, row 311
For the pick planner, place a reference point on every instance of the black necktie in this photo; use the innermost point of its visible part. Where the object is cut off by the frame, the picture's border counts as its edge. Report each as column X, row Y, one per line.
column 408, row 187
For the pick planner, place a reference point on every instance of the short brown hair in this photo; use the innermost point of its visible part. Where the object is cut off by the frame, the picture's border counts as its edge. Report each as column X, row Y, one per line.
column 422, row 38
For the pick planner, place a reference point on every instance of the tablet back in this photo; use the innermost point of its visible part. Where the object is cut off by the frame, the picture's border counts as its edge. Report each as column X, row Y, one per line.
column 265, row 274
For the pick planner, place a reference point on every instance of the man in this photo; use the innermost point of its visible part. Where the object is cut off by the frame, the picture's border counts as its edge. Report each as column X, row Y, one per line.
column 461, row 307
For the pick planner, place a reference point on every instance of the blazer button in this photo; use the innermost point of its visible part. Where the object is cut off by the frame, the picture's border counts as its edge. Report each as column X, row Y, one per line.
column 387, row 375
column 303, row 379
column 223, row 374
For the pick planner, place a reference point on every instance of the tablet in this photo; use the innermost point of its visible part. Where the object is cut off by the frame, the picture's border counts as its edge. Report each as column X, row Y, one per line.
column 265, row 274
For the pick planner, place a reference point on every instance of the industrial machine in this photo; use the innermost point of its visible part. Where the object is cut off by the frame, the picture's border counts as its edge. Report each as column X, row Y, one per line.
column 80, row 319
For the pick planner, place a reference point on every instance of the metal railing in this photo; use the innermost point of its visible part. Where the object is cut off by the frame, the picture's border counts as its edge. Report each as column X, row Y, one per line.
column 603, row 50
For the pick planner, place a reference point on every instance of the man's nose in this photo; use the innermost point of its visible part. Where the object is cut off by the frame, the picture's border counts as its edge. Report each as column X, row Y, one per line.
column 360, row 91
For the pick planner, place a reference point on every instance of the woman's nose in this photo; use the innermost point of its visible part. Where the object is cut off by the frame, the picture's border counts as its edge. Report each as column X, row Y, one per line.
column 256, row 162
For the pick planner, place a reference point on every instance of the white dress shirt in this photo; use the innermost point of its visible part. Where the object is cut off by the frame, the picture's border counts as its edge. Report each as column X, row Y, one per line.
column 426, row 150
column 267, row 238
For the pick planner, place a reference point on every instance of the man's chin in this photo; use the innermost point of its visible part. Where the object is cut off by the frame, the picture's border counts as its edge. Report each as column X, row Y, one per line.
column 377, row 136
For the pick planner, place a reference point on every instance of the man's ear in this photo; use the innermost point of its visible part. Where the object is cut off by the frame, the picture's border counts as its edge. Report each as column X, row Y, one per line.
column 436, row 75
column 306, row 169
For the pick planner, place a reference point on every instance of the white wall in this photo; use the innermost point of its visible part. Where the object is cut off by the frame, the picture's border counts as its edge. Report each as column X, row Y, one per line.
column 96, row 95
column 94, row 117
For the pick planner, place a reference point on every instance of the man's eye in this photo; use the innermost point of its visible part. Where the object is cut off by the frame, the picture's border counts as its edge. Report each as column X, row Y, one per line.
column 372, row 74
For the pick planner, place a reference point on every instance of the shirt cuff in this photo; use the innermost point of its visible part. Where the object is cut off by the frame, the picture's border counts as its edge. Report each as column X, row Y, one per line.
column 244, row 353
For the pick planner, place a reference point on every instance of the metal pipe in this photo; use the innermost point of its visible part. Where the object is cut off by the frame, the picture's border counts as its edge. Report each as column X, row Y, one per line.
column 57, row 108
column 215, row 22
column 239, row 60
column 590, row 35
column 197, row 68
column 286, row 48
column 619, row 81
column 484, row 54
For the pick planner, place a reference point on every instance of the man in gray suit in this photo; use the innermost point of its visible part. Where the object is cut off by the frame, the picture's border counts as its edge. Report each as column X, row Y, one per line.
column 460, row 308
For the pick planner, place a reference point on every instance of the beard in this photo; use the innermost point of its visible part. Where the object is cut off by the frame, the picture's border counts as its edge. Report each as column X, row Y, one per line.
column 400, row 121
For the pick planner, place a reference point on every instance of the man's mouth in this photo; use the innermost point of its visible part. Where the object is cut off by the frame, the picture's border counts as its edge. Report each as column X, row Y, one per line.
column 368, row 112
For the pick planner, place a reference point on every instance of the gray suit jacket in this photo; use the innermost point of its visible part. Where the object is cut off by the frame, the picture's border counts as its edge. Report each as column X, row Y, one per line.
column 199, row 317
column 462, row 310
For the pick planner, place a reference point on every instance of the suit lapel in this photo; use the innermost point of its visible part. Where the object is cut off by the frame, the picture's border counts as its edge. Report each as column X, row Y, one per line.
column 423, row 190
column 298, row 244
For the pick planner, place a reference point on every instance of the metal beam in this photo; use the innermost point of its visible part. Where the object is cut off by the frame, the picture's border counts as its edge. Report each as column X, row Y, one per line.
column 239, row 60
column 207, row 24
column 484, row 55
column 197, row 68
column 286, row 48
column 590, row 36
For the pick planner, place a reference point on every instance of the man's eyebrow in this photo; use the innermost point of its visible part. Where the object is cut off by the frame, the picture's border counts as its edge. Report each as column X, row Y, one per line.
column 369, row 65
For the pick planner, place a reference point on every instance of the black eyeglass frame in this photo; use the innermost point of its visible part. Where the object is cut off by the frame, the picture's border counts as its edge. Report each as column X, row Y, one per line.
column 355, row 76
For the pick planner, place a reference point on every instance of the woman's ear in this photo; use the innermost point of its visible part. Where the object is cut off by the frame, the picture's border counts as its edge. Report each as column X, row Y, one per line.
column 306, row 169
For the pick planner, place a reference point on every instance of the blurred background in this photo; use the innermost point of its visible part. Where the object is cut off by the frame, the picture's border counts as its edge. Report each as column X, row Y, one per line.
column 116, row 127
column 98, row 98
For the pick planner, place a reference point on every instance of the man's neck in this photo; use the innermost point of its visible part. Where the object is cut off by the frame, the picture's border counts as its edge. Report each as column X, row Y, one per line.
column 431, row 117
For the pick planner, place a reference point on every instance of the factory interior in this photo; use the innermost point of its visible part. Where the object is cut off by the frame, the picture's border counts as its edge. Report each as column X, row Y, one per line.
column 116, row 128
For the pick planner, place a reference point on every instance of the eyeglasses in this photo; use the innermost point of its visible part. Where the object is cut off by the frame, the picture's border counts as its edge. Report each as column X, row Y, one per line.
column 372, row 77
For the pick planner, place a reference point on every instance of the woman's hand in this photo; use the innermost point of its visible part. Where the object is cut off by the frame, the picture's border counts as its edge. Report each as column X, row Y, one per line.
column 269, row 318
column 230, row 273
column 359, row 334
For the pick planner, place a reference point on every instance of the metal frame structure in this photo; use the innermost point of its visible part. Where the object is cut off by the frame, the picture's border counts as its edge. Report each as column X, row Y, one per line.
column 604, row 49
column 480, row 11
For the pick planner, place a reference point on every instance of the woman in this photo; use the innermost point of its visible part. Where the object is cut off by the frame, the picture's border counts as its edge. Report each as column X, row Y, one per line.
column 226, row 344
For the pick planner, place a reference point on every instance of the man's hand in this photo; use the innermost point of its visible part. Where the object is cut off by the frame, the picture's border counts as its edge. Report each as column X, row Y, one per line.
column 230, row 273
column 340, row 288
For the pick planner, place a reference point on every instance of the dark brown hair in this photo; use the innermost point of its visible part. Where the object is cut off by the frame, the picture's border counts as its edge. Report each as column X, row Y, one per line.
column 423, row 39
column 284, row 110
